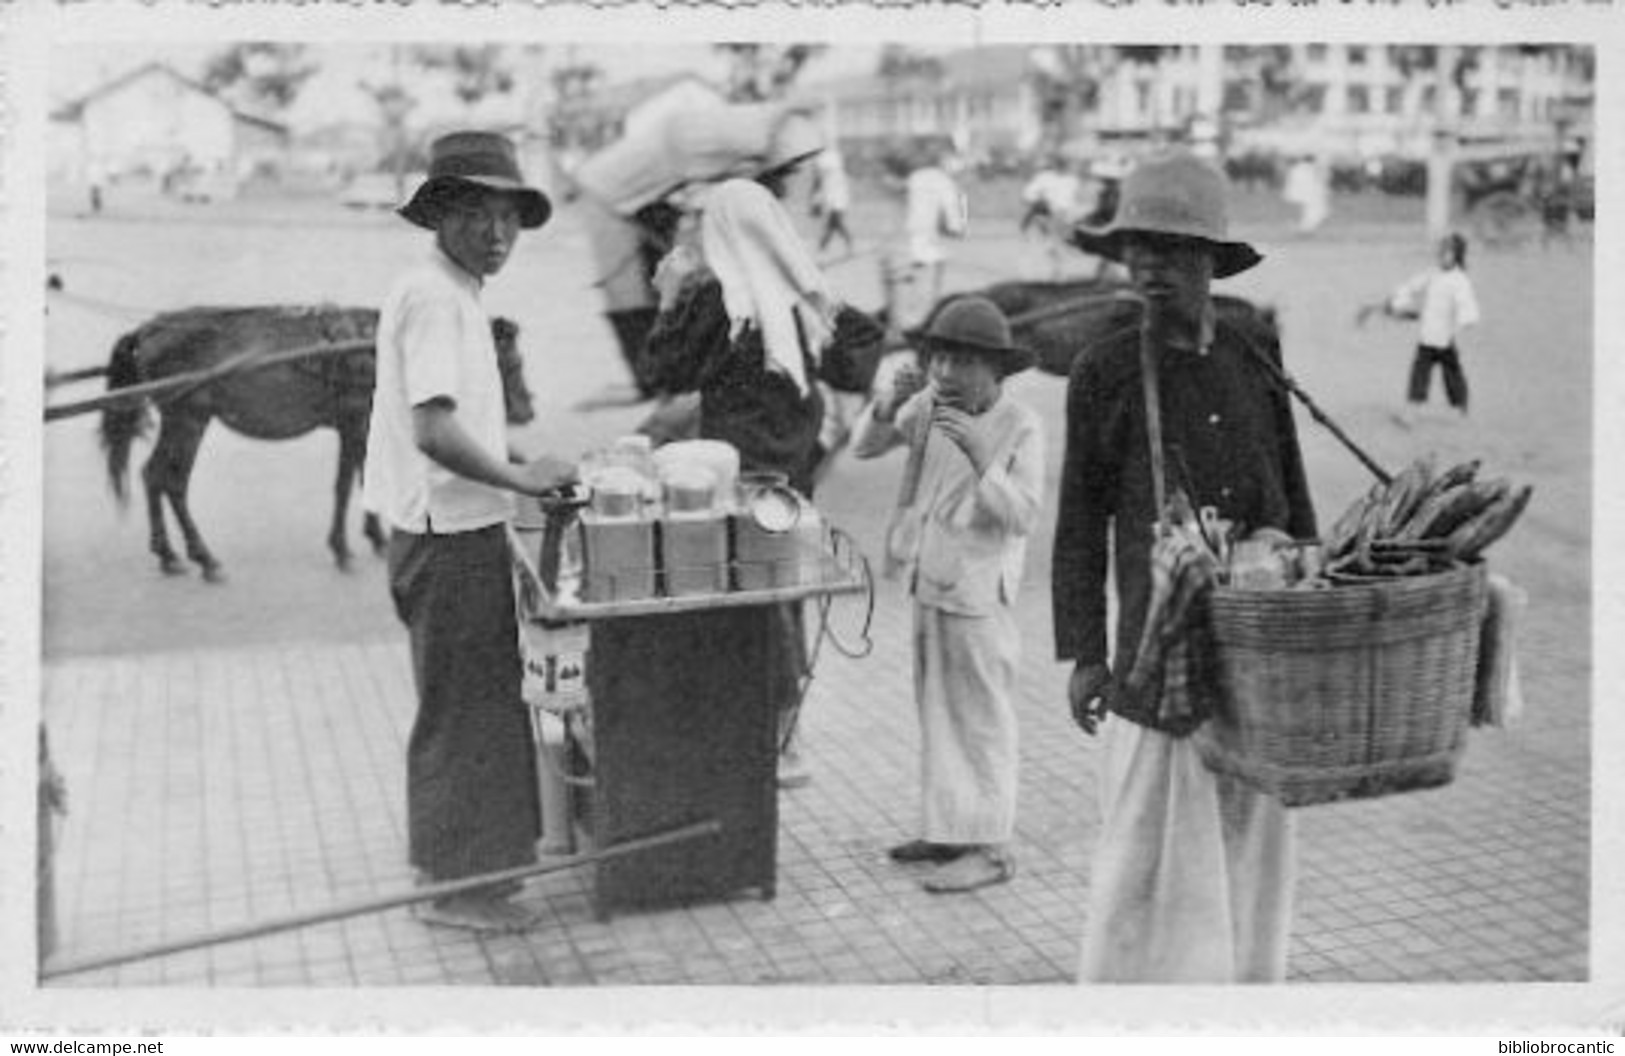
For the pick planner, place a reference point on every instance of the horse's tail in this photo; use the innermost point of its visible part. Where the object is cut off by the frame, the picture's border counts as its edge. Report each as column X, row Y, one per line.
column 123, row 422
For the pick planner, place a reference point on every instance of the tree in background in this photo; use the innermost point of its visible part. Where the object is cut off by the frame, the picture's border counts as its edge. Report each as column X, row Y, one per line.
column 394, row 104
column 1265, row 82
column 575, row 122
column 1066, row 81
column 476, row 72
column 902, row 65
column 260, row 75
column 758, row 73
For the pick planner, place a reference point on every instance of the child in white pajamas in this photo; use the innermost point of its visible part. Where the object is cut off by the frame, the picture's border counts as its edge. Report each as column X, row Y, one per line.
column 970, row 498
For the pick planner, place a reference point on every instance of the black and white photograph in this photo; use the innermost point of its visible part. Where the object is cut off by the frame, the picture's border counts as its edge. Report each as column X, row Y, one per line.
column 793, row 513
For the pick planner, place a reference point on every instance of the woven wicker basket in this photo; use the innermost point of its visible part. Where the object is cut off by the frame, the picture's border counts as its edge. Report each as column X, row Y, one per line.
column 1345, row 693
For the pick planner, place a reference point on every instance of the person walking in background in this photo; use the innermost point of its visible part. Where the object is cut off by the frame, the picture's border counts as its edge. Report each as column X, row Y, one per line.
column 1051, row 196
column 935, row 209
column 1193, row 874
column 1053, row 206
column 970, row 497
column 1443, row 303
column 1306, row 185
column 832, row 198
column 438, row 473
column 1106, row 174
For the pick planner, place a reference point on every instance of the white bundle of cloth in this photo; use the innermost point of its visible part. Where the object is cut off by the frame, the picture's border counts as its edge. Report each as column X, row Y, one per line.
column 768, row 278
column 1498, row 693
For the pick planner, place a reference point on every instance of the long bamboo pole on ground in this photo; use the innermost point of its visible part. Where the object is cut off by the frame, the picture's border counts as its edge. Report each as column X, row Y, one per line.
column 375, row 904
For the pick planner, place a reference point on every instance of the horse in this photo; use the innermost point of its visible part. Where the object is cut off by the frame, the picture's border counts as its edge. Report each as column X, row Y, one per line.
column 1059, row 319
column 277, row 402
column 1056, row 319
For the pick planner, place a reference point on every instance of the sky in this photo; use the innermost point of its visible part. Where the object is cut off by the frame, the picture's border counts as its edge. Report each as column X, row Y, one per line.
column 334, row 94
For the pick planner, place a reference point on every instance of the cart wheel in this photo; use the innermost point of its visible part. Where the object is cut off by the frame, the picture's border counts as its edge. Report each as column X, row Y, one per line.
column 1504, row 220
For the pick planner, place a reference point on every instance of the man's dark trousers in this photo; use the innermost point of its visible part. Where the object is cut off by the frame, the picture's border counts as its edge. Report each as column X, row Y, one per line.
column 471, row 768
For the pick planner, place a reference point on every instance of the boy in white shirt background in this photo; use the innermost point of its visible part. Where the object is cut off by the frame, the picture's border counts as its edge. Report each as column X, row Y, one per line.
column 1443, row 303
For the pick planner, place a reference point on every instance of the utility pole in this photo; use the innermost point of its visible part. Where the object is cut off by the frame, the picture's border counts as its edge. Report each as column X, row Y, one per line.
column 1442, row 150
column 1209, row 100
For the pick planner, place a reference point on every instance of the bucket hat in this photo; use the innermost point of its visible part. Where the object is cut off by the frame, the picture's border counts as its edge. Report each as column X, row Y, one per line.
column 459, row 160
column 971, row 323
column 1171, row 193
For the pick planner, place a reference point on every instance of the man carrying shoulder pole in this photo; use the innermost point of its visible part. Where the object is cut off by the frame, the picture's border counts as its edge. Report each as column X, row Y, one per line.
column 1192, row 879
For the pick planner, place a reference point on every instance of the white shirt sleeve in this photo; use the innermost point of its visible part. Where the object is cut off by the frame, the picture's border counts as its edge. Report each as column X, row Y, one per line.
column 430, row 337
column 1466, row 304
column 1407, row 299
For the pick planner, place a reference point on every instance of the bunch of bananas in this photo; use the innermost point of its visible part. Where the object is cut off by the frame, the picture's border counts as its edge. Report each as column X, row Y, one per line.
column 1424, row 521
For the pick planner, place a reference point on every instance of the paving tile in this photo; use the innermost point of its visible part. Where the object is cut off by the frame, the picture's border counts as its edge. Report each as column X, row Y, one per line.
column 286, row 792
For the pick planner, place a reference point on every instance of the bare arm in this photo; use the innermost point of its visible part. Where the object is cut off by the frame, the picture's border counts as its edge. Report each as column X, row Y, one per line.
column 875, row 436
column 441, row 436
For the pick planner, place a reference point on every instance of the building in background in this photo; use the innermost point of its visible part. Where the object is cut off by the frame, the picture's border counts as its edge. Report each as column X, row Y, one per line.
column 153, row 125
column 1337, row 100
column 1353, row 101
column 981, row 100
column 591, row 118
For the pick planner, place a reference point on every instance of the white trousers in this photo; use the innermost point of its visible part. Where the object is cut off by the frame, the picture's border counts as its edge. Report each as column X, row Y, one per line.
column 1193, row 876
column 964, row 671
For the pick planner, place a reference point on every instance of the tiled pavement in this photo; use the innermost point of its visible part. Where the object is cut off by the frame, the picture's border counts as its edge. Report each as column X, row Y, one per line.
column 212, row 788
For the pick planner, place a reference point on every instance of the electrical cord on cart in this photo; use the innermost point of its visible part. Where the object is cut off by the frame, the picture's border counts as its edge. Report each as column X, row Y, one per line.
column 866, row 644
column 841, row 541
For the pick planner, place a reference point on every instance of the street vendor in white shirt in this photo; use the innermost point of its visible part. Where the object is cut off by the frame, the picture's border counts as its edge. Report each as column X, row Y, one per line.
column 1193, row 876
column 438, row 475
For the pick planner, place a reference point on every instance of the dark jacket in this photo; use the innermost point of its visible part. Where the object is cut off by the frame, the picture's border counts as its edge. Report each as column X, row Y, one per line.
column 759, row 411
column 1230, row 442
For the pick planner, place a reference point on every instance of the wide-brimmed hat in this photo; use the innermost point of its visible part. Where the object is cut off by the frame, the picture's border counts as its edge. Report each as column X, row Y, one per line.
column 1171, row 193
column 462, row 160
column 795, row 138
column 973, row 324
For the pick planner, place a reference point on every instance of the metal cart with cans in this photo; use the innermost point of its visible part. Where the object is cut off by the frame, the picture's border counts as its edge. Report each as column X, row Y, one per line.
column 648, row 709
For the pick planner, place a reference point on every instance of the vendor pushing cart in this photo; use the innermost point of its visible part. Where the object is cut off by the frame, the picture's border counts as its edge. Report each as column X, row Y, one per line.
column 437, row 475
column 696, row 653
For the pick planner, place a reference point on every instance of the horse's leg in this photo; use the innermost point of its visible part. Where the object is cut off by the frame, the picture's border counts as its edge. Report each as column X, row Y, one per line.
column 352, row 450
column 189, row 431
column 157, row 475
